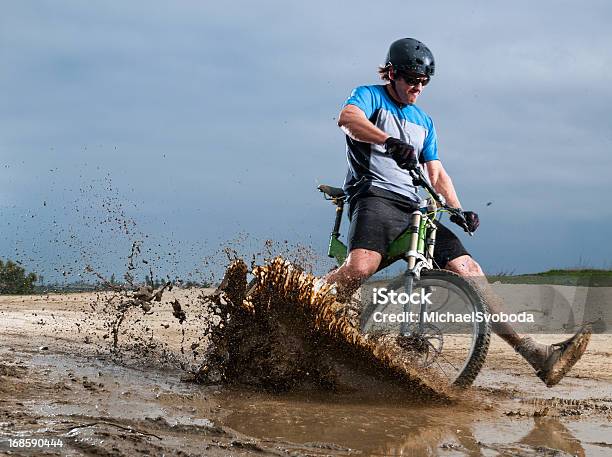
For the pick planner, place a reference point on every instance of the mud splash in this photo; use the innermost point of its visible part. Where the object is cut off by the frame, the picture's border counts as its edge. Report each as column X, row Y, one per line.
column 286, row 335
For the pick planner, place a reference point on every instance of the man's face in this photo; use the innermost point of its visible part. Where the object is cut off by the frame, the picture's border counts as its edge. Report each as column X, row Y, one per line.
column 409, row 86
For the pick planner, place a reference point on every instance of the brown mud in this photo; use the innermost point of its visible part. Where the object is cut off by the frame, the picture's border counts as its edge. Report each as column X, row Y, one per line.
column 286, row 335
column 106, row 372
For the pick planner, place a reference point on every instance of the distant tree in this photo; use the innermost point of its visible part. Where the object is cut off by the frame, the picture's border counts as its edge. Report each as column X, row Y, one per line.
column 159, row 283
column 191, row 283
column 14, row 280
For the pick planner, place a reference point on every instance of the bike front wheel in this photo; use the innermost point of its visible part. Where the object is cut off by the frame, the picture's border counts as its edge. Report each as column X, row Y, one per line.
column 449, row 335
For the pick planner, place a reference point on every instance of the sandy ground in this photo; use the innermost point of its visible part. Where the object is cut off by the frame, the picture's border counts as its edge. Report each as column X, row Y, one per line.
column 60, row 382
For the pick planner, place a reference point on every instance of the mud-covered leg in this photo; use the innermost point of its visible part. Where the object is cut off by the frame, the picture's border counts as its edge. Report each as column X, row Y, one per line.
column 551, row 362
column 468, row 267
column 358, row 266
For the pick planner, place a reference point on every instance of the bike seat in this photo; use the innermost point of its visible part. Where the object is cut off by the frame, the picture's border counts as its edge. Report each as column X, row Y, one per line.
column 333, row 192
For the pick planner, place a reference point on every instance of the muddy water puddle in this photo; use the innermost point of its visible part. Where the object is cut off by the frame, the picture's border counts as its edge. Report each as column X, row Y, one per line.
column 117, row 391
column 167, row 414
column 372, row 426
column 388, row 428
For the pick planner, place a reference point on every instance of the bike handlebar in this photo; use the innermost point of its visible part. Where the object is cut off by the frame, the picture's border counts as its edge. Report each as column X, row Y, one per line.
column 419, row 180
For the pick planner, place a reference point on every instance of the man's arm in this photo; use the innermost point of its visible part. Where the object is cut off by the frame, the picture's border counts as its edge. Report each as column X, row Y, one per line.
column 355, row 124
column 442, row 183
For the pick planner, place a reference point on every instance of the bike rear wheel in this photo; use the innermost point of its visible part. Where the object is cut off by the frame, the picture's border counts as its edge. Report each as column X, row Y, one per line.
column 453, row 341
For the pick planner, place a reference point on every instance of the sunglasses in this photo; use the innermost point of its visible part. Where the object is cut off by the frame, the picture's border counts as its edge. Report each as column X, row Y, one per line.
column 414, row 80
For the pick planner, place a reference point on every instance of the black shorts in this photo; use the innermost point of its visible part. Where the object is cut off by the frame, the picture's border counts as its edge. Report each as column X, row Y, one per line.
column 377, row 219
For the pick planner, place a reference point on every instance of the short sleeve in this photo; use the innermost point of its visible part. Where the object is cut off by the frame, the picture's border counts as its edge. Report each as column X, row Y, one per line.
column 430, row 145
column 362, row 98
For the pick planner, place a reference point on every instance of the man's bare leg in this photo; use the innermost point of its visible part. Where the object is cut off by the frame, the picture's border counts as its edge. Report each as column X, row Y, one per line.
column 551, row 362
column 466, row 266
column 358, row 266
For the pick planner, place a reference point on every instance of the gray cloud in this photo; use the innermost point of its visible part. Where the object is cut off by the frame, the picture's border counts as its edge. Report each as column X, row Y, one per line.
column 218, row 118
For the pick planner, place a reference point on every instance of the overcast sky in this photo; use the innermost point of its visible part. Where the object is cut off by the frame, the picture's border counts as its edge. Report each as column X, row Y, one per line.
column 204, row 122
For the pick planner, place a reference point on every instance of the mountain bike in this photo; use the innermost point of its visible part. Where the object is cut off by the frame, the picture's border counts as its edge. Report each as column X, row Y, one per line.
column 456, row 349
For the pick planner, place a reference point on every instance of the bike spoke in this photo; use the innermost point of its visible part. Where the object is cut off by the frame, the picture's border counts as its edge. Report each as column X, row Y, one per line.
column 442, row 370
column 448, row 361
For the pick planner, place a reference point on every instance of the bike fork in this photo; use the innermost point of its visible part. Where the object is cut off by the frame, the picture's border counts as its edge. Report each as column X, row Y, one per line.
column 415, row 223
column 405, row 326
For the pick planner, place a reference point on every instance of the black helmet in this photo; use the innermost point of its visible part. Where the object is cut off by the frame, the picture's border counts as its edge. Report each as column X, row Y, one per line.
column 408, row 54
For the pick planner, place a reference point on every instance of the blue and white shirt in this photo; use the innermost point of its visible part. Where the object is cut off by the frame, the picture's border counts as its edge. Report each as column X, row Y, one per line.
column 369, row 164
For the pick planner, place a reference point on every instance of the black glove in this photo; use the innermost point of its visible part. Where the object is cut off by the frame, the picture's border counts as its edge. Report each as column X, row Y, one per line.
column 402, row 153
column 471, row 220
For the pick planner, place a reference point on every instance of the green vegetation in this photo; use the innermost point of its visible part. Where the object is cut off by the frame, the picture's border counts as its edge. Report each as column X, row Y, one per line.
column 111, row 285
column 588, row 277
column 14, row 280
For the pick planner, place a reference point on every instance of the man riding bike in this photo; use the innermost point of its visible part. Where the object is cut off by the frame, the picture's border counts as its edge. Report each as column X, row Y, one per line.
column 387, row 135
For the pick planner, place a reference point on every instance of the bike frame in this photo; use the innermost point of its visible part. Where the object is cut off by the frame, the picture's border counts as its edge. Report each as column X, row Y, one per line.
column 415, row 245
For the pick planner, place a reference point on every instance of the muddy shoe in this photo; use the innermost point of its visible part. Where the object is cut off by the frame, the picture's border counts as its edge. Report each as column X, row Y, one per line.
column 552, row 362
